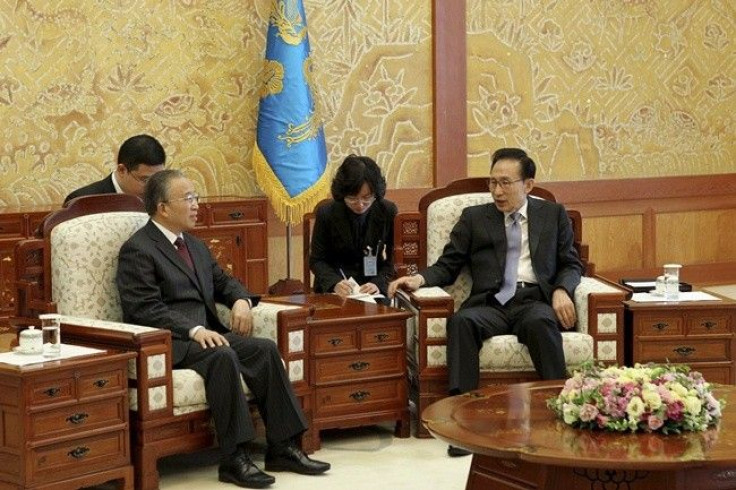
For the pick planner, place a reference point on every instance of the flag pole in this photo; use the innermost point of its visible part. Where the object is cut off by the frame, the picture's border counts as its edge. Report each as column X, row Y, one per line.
column 288, row 242
column 288, row 286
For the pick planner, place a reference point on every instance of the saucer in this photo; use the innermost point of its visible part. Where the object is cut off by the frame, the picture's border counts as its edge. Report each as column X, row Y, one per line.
column 24, row 353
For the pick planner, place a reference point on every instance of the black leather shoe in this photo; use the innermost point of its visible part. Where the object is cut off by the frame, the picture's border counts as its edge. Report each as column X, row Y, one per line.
column 241, row 471
column 291, row 458
column 455, row 452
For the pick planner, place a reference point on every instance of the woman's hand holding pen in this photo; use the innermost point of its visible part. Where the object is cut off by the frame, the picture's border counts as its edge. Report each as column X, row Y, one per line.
column 343, row 288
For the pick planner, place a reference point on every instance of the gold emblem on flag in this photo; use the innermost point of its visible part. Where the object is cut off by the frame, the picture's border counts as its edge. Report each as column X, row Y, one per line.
column 286, row 18
column 271, row 78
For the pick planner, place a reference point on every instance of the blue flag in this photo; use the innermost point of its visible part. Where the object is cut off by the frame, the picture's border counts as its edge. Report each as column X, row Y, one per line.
column 289, row 158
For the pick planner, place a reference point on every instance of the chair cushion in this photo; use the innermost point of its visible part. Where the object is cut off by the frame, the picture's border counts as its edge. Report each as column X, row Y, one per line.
column 84, row 262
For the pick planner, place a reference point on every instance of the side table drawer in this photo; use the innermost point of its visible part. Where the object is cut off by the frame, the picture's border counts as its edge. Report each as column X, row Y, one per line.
column 381, row 336
column 229, row 213
column 78, row 457
column 709, row 322
column 359, row 366
column 79, row 417
column 685, row 351
column 360, row 397
column 11, row 226
column 659, row 325
column 335, row 341
column 103, row 383
column 44, row 392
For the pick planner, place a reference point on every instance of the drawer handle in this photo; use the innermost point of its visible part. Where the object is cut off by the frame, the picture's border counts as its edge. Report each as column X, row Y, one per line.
column 660, row 326
column 709, row 324
column 684, row 351
column 100, row 383
column 236, row 215
column 335, row 341
column 78, row 452
column 77, row 418
column 52, row 392
column 359, row 396
column 359, row 366
column 380, row 337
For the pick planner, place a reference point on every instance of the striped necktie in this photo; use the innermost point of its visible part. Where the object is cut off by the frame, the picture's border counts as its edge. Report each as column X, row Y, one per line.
column 181, row 247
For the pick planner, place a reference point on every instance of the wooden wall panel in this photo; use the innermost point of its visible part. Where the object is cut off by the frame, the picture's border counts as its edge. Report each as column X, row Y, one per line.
column 700, row 237
column 615, row 241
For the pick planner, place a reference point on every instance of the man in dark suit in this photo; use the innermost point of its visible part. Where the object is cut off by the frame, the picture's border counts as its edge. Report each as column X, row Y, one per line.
column 139, row 157
column 533, row 299
column 168, row 283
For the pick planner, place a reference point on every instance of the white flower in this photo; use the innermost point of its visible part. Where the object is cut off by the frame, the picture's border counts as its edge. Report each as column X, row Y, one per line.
column 651, row 397
column 570, row 413
column 693, row 405
column 635, row 408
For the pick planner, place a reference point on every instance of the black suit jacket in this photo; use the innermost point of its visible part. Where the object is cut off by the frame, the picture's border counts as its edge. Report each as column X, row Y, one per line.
column 479, row 240
column 157, row 288
column 333, row 247
column 104, row 186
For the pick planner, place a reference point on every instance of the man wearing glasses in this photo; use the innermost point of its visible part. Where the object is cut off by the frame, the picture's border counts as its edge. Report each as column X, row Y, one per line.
column 139, row 157
column 167, row 278
column 524, row 269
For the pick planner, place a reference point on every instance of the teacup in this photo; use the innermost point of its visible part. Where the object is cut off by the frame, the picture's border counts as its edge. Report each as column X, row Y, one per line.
column 30, row 341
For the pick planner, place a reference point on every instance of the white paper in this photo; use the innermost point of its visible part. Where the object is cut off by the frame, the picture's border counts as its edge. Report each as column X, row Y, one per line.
column 368, row 298
column 67, row 352
column 683, row 296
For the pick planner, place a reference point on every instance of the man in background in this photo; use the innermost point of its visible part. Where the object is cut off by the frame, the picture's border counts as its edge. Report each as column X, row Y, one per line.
column 139, row 157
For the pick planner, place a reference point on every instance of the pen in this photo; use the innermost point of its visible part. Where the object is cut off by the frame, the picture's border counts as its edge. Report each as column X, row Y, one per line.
column 342, row 274
column 378, row 247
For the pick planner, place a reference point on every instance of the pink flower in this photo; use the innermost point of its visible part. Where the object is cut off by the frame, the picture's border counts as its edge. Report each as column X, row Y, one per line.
column 654, row 422
column 675, row 410
column 588, row 412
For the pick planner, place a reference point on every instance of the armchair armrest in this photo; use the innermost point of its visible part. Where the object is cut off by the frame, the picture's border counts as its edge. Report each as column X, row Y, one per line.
column 600, row 311
column 426, row 329
column 149, row 373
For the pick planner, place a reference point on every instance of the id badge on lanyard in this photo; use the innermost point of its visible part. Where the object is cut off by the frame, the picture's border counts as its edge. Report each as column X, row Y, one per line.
column 370, row 261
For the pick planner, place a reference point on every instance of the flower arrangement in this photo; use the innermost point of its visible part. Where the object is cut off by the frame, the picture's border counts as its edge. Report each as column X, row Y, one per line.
column 653, row 397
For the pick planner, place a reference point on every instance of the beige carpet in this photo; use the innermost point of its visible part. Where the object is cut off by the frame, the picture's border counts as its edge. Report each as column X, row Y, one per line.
column 362, row 459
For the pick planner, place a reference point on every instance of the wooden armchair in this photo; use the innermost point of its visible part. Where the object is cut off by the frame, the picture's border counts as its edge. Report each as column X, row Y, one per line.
column 419, row 239
column 71, row 270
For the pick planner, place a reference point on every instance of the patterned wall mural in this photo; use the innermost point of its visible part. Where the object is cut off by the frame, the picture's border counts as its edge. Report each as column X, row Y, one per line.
column 593, row 88
column 77, row 77
column 601, row 89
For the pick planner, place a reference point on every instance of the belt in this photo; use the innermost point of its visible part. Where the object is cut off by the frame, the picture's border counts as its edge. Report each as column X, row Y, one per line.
column 522, row 284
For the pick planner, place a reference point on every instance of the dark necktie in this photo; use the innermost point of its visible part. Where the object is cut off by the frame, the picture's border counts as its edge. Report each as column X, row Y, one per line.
column 513, row 252
column 181, row 247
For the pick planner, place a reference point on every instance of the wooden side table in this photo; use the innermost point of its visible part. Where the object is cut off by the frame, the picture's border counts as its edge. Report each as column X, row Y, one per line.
column 65, row 423
column 697, row 333
column 357, row 363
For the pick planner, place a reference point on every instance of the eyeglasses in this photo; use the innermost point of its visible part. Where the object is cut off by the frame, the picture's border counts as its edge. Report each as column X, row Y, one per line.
column 189, row 199
column 367, row 201
column 504, row 183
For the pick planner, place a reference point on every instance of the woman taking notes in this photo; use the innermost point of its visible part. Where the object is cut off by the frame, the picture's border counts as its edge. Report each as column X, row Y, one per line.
column 353, row 233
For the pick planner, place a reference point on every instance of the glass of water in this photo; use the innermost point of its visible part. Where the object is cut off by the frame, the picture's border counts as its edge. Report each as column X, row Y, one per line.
column 51, row 331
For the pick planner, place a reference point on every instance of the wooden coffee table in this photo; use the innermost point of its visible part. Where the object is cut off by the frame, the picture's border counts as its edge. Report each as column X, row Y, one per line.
column 518, row 443
column 357, row 363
